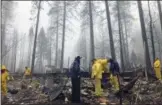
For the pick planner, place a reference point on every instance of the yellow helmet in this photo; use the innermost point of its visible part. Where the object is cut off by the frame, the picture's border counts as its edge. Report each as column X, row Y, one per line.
column 3, row 67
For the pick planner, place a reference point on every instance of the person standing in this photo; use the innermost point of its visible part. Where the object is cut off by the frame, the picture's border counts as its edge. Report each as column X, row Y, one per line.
column 157, row 68
column 4, row 79
column 75, row 79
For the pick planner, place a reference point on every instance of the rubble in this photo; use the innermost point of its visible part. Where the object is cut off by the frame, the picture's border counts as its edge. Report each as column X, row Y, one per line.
column 59, row 91
column 148, row 92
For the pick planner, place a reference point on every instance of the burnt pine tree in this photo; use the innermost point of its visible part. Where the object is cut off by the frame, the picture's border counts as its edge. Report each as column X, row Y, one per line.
column 54, row 13
column 144, row 37
column 42, row 45
column 110, row 30
column 120, row 37
column 15, row 50
column 127, row 17
column 35, row 38
column 160, row 13
column 151, row 33
column 7, row 14
column 91, row 31
column 63, row 36
column 30, row 38
column 57, row 33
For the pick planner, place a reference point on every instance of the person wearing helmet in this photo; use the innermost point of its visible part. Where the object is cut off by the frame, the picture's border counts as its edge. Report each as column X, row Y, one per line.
column 4, row 76
column 157, row 68
column 27, row 72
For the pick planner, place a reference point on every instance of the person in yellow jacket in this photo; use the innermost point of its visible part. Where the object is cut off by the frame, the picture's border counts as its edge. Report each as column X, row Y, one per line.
column 157, row 68
column 4, row 79
column 97, row 70
column 27, row 72
column 104, row 63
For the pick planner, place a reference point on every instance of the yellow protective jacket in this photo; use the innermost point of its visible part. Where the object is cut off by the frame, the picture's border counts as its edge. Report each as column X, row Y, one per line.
column 157, row 68
column 157, row 64
column 97, row 70
column 4, row 77
column 27, row 72
column 4, row 84
column 104, row 63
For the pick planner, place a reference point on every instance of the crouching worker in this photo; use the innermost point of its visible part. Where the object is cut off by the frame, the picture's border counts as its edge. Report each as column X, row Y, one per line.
column 4, row 78
column 97, row 76
column 75, row 80
column 114, row 76
column 27, row 72
column 104, row 63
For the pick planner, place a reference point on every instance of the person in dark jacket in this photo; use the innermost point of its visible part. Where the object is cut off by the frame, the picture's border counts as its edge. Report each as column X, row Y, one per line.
column 115, row 71
column 114, row 67
column 75, row 79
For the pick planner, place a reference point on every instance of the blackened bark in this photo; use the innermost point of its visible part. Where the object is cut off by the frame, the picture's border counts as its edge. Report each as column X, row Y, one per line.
column 110, row 30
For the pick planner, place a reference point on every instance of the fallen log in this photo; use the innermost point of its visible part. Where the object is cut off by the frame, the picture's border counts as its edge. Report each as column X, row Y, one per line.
column 126, row 89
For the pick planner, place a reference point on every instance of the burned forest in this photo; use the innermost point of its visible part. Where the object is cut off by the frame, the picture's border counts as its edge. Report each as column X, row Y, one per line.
column 81, row 52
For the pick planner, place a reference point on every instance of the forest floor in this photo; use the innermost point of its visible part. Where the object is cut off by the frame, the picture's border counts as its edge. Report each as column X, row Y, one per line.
column 33, row 92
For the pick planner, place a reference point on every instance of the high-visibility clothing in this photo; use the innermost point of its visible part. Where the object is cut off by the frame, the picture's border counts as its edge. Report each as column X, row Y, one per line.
column 104, row 63
column 97, row 74
column 3, row 67
column 97, row 70
column 4, row 77
column 4, row 88
column 115, row 83
column 157, row 68
column 98, row 89
column 27, row 72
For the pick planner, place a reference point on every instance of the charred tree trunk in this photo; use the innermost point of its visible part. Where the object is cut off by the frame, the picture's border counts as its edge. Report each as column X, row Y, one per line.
column 15, row 52
column 160, row 13
column 120, row 38
column 151, row 33
column 159, row 48
column 29, row 53
column 56, row 50
column 91, row 32
column 123, row 45
column 110, row 30
column 63, row 37
column 50, row 49
column 35, row 38
column 126, row 42
column 144, row 36
column 3, row 41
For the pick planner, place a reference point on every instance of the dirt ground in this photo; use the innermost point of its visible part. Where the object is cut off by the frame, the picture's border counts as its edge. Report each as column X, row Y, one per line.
column 35, row 92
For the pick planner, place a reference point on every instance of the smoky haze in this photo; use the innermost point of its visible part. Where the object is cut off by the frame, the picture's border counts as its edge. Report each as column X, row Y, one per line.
column 86, row 33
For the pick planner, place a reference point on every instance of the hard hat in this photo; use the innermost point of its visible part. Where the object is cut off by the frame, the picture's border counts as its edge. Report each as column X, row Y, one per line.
column 3, row 67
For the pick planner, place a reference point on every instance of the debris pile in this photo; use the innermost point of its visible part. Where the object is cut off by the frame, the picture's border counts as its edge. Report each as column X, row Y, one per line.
column 58, row 90
column 28, row 92
column 148, row 92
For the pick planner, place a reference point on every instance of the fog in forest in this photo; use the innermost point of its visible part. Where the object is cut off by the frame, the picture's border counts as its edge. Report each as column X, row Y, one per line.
column 38, row 34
